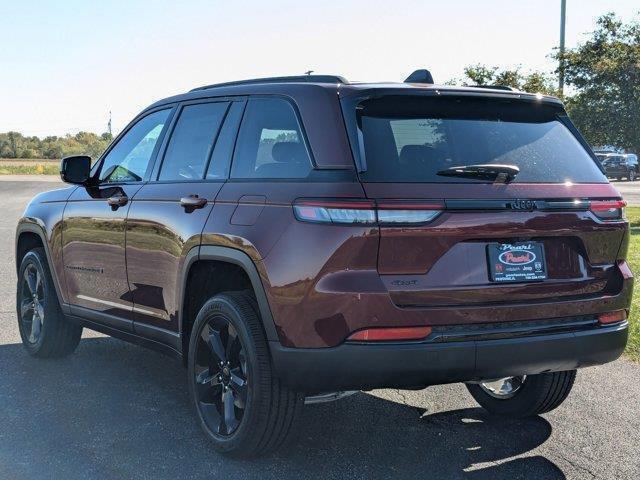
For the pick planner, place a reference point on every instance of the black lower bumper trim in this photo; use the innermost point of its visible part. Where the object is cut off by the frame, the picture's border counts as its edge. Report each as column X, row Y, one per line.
column 353, row 366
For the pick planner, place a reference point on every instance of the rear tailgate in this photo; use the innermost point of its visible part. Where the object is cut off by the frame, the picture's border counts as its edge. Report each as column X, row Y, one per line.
column 426, row 150
column 445, row 262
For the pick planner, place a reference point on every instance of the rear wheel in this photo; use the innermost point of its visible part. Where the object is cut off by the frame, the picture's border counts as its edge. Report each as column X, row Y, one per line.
column 44, row 330
column 241, row 406
column 523, row 396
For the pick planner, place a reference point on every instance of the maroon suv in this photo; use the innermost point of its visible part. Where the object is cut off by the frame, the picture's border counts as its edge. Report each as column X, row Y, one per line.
column 294, row 238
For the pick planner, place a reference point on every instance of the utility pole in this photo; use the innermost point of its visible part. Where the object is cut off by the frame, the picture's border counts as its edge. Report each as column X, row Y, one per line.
column 308, row 72
column 563, row 21
column 109, row 124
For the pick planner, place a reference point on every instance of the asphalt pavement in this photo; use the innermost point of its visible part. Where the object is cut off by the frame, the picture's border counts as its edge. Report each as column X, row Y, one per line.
column 117, row 411
column 630, row 191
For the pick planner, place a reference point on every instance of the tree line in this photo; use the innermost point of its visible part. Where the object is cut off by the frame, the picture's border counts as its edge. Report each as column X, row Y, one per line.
column 602, row 76
column 16, row 145
column 603, row 79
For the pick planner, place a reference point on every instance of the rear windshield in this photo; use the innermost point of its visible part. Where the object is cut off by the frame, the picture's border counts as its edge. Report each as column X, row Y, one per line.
column 411, row 139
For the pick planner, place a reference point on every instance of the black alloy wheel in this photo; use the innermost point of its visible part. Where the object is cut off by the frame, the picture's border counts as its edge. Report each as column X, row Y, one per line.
column 32, row 303
column 44, row 330
column 221, row 376
column 240, row 403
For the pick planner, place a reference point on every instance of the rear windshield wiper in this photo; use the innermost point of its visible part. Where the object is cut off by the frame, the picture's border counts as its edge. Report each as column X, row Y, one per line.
column 495, row 173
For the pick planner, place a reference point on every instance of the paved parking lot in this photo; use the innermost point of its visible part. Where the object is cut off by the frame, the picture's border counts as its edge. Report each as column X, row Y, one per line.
column 113, row 410
column 630, row 191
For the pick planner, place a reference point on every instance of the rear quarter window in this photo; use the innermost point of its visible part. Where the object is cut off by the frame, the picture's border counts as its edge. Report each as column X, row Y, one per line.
column 270, row 142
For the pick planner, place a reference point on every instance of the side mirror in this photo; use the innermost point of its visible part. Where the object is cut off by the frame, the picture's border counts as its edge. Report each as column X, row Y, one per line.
column 75, row 169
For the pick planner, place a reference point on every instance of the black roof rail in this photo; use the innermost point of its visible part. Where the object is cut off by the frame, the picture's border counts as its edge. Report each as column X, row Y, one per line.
column 291, row 79
column 496, row 87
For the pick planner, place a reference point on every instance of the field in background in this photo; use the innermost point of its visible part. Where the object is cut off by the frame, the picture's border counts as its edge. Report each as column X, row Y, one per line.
column 29, row 166
column 26, row 161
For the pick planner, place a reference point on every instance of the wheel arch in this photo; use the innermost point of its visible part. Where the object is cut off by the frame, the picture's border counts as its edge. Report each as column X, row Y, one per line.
column 231, row 256
column 28, row 237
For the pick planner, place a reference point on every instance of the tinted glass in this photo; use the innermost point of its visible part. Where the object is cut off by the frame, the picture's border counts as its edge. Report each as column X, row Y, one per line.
column 412, row 140
column 221, row 158
column 270, row 143
column 128, row 160
column 192, row 140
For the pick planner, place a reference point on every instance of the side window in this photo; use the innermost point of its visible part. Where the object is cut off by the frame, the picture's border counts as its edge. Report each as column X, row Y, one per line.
column 222, row 152
column 270, row 143
column 128, row 160
column 192, row 140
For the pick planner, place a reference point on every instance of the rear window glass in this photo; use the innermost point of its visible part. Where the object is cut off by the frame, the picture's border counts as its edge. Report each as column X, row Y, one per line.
column 410, row 139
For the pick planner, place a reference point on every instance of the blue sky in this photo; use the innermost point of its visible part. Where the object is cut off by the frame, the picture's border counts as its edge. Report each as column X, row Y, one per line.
column 65, row 64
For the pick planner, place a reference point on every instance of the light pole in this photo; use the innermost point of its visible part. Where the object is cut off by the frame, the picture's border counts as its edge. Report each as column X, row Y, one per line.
column 563, row 21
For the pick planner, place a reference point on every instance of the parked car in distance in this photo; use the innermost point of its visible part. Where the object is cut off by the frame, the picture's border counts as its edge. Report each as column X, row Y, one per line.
column 619, row 165
column 293, row 239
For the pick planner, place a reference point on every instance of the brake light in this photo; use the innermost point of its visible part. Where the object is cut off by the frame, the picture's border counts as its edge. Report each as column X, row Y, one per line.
column 612, row 317
column 608, row 209
column 335, row 211
column 401, row 212
column 389, row 334
column 367, row 212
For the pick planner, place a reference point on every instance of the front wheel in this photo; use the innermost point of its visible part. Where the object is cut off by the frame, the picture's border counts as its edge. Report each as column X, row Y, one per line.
column 525, row 395
column 632, row 175
column 241, row 405
column 44, row 330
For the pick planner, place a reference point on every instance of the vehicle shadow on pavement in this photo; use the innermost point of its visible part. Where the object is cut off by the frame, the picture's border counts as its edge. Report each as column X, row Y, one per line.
column 114, row 410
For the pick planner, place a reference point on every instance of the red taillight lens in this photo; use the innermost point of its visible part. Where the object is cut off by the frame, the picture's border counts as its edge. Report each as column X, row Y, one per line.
column 390, row 334
column 400, row 212
column 612, row 317
column 335, row 211
column 359, row 212
column 608, row 209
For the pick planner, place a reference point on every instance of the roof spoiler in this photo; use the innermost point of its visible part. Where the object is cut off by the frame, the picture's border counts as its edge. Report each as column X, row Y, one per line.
column 496, row 87
column 420, row 76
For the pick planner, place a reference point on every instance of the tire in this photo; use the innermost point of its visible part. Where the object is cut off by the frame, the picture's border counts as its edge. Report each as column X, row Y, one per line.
column 44, row 330
column 538, row 394
column 263, row 414
column 631, row 176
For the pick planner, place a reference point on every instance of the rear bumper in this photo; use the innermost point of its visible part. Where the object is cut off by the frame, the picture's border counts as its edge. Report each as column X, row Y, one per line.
column 355, row 366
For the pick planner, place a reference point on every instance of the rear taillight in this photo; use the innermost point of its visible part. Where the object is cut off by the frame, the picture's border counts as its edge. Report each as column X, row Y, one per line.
column 608, row 210
column 390, row 334
column 335, row 211
column 367, row 212
column 612, row 317
column 401, row 212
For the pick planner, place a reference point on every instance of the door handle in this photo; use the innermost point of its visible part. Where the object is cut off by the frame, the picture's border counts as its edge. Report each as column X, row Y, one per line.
column 191, row 202
column 117, row 201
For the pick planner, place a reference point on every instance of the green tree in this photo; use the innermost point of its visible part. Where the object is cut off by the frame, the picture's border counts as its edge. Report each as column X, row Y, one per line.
column 16, row 145
column 604, row 73
column 534, row 82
